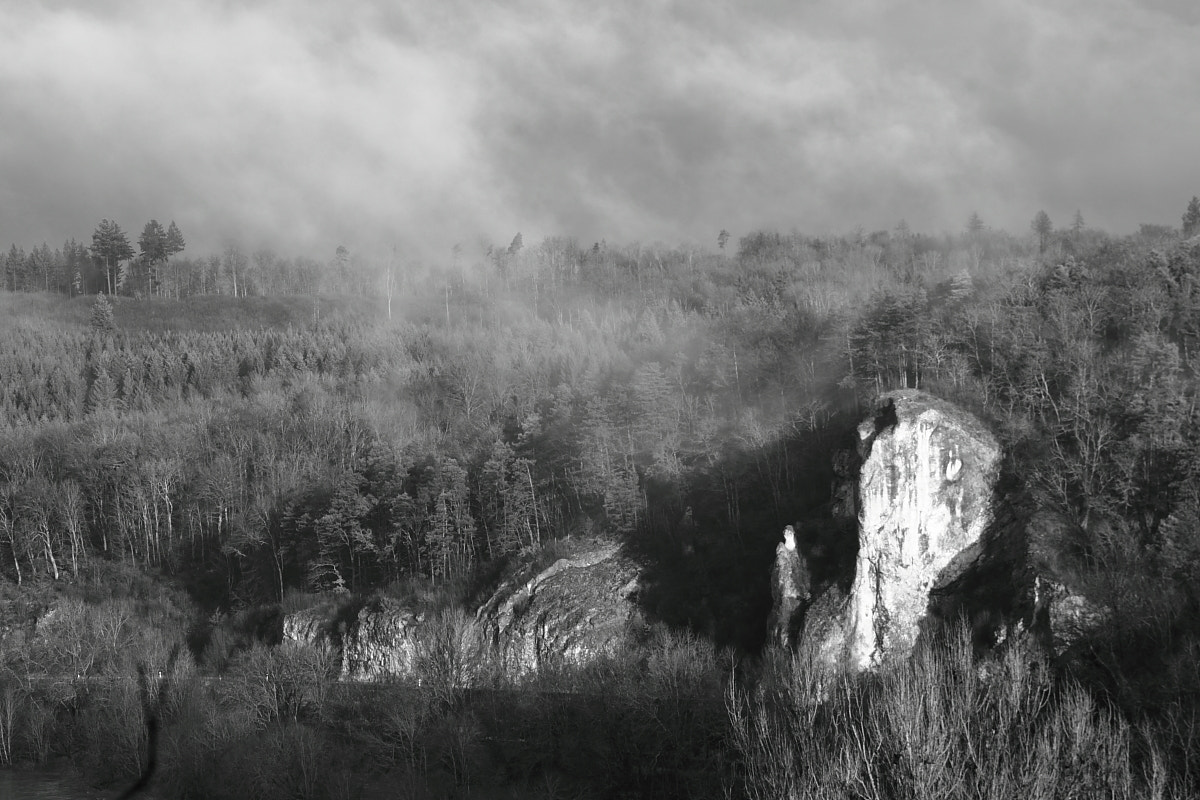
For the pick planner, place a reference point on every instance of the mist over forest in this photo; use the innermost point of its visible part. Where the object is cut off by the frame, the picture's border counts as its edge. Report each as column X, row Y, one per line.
column 231, row 433
column 335, row 338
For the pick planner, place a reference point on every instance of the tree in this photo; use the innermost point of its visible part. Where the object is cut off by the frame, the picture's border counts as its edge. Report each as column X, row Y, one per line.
column 174, row 244
column 516, row 245
column 722, row 239
column 102, row 315
column 110, row 246
column 14, row 269
column 1077, row 224
column 102, row 394
column 1042, row 226
column 509, row 504
column 1191, row 218
column 153, row 244
column 39, row 267
column 974, row 224
column 389, row 280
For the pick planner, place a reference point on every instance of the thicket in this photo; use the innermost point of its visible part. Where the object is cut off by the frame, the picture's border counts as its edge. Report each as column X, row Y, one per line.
column 941, row 725
column 689, row 402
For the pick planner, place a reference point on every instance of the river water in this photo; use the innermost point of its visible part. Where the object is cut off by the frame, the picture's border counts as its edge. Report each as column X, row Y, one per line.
column 45, row 786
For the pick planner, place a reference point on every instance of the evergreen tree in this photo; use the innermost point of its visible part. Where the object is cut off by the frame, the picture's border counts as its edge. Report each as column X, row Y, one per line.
column 1191, row 218
column 102, row 394
column 1077, row 224
column 110, row 246
column 102, row 315
column 174, row 244
column 1042, row 226
column 974, row 224
column 153, row 242
column 153, row 246
column 14, row 269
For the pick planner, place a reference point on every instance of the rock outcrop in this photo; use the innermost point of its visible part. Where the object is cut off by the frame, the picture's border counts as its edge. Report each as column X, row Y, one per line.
column 790, row 584
column 924, row 500
column 1064, row 615
column 573, row 612
column 569, row 613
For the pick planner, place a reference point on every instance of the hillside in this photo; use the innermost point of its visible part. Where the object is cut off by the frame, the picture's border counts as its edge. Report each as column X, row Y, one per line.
column 258, row 450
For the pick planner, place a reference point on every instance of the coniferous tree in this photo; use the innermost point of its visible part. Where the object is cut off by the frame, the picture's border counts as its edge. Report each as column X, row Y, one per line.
column 1042, row 226
column 173, row 246
column 102, row 315
column 102, row 394
column 974, row 224
column 174, row 243
column 153, row 246
column 14, row 269
column 1191, row 218
column 110, row 246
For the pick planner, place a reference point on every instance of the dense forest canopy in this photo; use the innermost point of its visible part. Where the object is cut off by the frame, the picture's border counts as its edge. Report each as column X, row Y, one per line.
column 351, row 426
column 256, row 431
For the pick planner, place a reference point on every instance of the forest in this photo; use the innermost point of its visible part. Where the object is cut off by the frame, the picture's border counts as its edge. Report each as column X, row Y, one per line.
column 194, row 440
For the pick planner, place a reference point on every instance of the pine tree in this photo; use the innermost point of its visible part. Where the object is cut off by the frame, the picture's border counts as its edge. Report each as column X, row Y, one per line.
column 14, row 269
column 174, row 243
column 102, row 315
column 102, row 394
column 974, row 224
column 153, row 246
column 110, row 246
column 1191, row 218
column 1042, row 226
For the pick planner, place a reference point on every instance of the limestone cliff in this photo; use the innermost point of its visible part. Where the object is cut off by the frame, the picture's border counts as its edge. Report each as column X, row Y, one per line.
column 374, row 641
column 924, row 501
column 569, row 613
column 790, row 583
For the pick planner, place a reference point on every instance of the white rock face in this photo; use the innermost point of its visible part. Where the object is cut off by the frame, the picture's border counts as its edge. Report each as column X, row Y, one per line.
column 574, row 611
column 379, row 643
column 569, row 614
column 925, row 494
column 384, row 643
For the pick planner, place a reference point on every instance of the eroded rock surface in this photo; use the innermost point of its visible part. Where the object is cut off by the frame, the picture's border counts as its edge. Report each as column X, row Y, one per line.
column 1067, row 615
column 576, row 610
column 924, row 501
column 377, row 642
column 570, row 613
column 790, row 585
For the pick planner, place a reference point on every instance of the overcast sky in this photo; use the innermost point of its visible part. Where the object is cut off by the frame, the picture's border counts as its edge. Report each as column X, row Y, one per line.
column 302, row 125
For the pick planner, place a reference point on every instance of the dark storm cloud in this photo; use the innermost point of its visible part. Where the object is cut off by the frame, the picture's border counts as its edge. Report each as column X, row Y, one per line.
column 303, row 124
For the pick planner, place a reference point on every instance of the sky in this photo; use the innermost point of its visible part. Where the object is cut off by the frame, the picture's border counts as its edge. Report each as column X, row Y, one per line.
column 300, row 125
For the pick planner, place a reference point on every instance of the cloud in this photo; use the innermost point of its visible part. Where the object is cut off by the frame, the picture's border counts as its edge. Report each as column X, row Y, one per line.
column 301, row 125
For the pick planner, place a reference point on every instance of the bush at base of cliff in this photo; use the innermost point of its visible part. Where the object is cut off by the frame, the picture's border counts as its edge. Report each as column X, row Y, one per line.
column 287, row 683
column 647, row 721
column 940, row 725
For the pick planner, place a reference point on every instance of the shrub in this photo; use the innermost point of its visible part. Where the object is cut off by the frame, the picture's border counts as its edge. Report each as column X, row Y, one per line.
column 937, row 726
column 282, row 683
